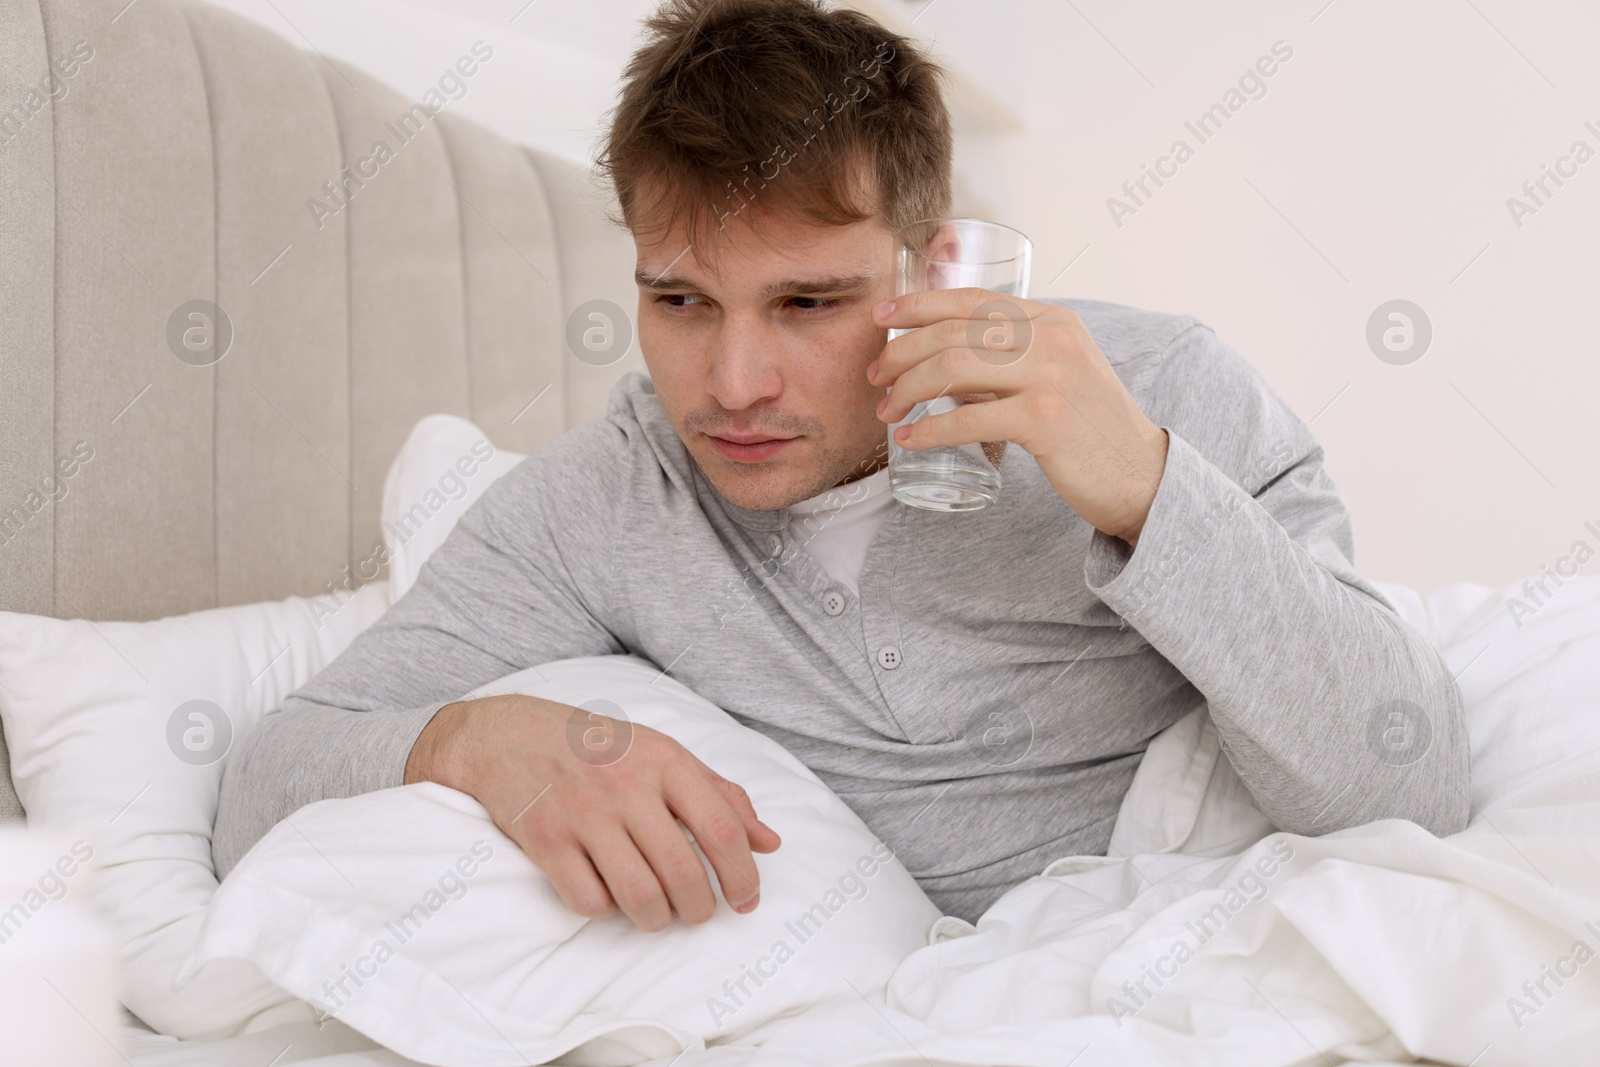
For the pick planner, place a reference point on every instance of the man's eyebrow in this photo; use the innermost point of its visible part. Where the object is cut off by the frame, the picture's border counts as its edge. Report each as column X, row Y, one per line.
column 837, row 283
column 663, row 282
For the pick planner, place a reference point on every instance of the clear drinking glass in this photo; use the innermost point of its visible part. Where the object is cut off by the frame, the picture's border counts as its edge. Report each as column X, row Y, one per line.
column 958, row 254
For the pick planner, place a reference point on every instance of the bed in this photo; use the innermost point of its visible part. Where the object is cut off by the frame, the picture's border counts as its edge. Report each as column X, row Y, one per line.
column 1203, row 936
column 174, row 174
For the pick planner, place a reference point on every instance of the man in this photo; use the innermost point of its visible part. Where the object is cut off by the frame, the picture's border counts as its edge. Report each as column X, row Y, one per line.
column 979, row 687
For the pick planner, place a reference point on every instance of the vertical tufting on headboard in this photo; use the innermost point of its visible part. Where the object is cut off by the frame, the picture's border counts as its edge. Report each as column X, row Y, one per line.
column 184, row 162
column 27, row 321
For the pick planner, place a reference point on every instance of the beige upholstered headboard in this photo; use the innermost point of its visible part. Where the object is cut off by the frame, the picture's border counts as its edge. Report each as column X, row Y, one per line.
column 180, row 161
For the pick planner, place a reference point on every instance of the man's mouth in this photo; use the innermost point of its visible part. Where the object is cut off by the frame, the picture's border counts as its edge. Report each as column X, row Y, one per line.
column 748, row 448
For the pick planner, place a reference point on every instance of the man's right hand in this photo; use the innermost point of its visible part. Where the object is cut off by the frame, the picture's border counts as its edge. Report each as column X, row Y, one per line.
column 605, row 831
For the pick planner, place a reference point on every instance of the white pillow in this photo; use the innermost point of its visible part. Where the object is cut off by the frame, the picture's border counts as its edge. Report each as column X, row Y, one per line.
column 118, row 731
column 445, row 464
column 1529, row 672
column 492, row 968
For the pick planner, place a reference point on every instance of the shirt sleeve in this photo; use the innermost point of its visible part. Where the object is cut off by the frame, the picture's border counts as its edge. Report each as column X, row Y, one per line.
column 499, row 595
column 1333, row 710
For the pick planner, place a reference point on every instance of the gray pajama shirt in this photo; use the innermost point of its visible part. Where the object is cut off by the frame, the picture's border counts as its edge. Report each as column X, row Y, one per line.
column 984, row 700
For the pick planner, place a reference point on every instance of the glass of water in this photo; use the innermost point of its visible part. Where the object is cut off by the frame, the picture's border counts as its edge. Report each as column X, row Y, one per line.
column 959, row 254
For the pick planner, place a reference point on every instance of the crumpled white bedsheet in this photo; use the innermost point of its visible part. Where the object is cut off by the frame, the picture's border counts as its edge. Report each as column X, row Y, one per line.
column 1190, row 944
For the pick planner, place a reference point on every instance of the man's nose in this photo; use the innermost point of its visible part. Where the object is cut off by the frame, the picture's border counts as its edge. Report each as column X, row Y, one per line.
column 746, row 366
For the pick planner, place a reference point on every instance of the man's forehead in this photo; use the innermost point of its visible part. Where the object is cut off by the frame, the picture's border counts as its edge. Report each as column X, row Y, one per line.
column 807, row 259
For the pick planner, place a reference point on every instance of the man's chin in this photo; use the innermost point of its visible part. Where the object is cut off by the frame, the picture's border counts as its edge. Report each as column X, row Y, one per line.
column 769, row 486
column 754, row 487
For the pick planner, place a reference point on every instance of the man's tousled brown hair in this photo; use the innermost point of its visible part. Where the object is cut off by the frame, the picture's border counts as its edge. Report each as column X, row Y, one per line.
column 734, row 105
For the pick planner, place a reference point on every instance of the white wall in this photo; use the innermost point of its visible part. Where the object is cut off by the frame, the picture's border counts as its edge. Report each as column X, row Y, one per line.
column 1377, row 166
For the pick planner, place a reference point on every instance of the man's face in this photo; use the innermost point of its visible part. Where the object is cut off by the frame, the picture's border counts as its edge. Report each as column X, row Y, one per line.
column 761, row 363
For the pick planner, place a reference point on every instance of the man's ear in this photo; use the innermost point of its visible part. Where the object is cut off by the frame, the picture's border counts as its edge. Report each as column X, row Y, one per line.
column 944, row 246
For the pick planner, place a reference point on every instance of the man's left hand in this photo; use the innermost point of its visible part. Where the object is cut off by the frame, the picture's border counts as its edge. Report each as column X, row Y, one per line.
column 1033, row 376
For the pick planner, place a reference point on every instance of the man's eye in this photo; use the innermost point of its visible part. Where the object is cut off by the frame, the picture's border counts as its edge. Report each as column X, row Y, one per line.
column 678, row 300
column 813, row 303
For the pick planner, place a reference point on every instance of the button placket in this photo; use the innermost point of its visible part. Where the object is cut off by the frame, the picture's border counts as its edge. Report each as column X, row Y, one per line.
column 884, row 641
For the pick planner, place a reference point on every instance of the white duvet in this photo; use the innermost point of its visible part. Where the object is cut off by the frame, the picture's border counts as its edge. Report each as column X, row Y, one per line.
column 1378, row 944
